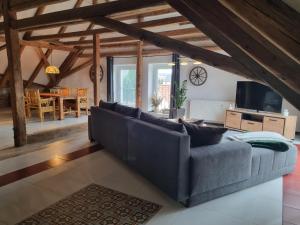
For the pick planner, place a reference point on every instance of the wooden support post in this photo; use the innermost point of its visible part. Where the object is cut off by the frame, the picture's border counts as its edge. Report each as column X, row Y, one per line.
column 139, row 72
column 16, row 81
column 96, row 64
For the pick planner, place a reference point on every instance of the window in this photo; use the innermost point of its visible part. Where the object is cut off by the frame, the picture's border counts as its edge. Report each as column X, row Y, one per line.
column 124, row 79
column 160, row 76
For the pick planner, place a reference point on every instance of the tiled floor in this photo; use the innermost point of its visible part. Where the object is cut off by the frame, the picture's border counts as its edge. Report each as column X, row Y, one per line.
column 292, row 196
column 260, row 205
column 33, row 126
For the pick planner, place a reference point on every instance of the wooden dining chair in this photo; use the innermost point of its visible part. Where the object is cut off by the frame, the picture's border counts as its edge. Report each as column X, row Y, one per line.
column 42, row 105
column 83, row 100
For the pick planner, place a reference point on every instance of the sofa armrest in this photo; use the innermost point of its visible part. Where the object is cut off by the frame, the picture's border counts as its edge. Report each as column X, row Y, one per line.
column 160, row 155
column 219, row 165
column 110, row 129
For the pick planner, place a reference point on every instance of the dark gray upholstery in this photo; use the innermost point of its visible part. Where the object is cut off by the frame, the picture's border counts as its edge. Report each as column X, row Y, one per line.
column 264, row 168
column 190, row 176
column 161, row 155
column 110, row 129
column 90, row 128
column 127, row 111
column 171, row 125
column 219, row 165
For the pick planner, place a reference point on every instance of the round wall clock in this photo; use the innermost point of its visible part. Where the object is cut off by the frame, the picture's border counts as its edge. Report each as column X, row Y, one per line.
column 198, row 76
column 92, row 73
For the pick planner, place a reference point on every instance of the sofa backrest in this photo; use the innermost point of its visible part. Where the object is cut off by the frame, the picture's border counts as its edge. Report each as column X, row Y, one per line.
column 111, row 130
column 160, row 155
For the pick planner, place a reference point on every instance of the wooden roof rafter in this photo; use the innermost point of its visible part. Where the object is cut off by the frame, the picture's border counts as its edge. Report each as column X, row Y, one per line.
column 208, row 21
column 19, row 5
column 147, row 24
column 86, row 12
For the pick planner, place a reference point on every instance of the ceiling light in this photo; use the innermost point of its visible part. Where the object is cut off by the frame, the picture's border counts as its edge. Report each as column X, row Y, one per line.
column 52, row 70
column 184, row 63
column 171, row 64
column 197, row 63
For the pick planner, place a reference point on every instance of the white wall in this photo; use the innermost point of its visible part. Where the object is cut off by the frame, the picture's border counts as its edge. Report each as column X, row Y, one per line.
column 82, row 79
column 221, row 86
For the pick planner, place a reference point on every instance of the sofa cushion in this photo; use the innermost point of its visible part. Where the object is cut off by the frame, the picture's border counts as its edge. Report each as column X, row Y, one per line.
column 128, row 111
column 215, row 166
column 203, row 135
column 163, row 122
column 107, row 105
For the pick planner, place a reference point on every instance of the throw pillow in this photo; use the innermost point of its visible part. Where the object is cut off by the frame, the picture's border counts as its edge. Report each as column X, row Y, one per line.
column 107, row 105
column 128, row 111
column 203, row 135
column 162, row 122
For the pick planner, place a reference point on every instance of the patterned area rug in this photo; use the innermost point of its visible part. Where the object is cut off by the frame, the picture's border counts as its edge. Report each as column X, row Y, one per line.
column 96, row 205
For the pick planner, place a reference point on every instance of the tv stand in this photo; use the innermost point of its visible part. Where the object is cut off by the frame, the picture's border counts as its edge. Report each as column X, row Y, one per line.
column 247, row 120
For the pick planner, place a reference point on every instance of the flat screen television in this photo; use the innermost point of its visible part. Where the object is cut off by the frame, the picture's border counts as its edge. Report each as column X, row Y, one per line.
column 255, row 96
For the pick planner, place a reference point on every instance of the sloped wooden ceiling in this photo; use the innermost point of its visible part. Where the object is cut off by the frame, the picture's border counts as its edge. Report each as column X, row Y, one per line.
column 261, row 36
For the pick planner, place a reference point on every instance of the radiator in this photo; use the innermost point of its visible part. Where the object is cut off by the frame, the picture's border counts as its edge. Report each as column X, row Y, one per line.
column 209, row 110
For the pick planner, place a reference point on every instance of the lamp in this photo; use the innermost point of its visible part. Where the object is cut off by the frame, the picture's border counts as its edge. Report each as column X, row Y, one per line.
column 52, row 70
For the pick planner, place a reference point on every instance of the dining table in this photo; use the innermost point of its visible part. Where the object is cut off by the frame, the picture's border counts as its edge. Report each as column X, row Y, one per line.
column 61, row 101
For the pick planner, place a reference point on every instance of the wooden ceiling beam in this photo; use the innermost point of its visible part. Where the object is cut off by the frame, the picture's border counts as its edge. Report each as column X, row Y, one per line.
column 154, row 11
column 77, row 68
column 83, row 12
column 179, row 32
column 151, row 11
column 44, row 58
column 129, row 53
column 2, row 47
column 192, row 10
column 37, row 69
column 19, row 5
column 71, row 59
column 284, row 34
column 134, row 43
column 147, row 24
column 47, row 54
column 208, row 57
column 40, row 10
column 146, row 11
column 43, row 44
column 252, row 42
column 146, row 52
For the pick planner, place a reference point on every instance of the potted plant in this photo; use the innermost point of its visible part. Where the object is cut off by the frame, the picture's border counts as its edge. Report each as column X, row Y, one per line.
column 180, row 98
column 156, row 101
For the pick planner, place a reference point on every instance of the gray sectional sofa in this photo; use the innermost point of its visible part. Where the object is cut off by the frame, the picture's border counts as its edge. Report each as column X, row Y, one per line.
column 188, row 175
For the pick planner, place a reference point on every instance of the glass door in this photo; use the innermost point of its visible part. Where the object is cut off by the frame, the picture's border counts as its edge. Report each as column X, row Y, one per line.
column 124, row 79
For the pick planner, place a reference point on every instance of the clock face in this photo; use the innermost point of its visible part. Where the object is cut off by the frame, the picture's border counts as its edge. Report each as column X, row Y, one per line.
column 198, row 76
column 92, row 73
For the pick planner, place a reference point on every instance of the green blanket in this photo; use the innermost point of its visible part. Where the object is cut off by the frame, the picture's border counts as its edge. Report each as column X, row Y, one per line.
column 274, row 145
